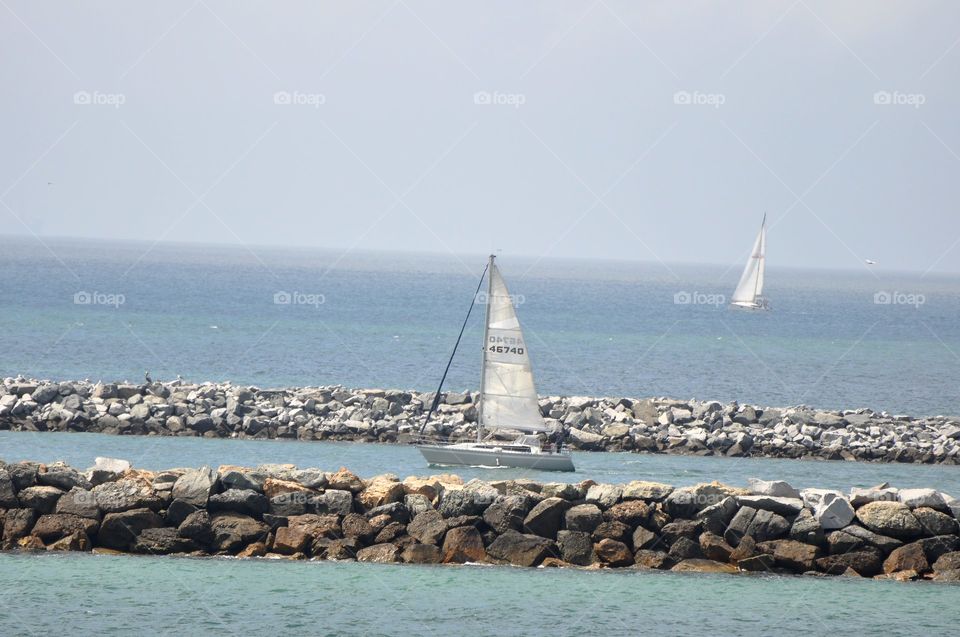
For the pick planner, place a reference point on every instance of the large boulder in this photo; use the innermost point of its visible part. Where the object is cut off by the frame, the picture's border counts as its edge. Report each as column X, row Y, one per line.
column 806, row 528
column 16, row 524
column 576, row 547
column 631, row 512
column 463, row 544
column 421, row 554
column 936, row 523
column 583, row 517
column 345, row 480
column 613, row 552
column 428, row 527
column 80, row 502
column 521, row 549
column 507, row 513
column 384, row 553
column 163, row 541
column 195, row 486
column 867, row 562
column 245, row 501
column 63, row 478
column 55, row 526
column 699, row 565
column 457, row 502
column 643, row 490
column 107, row 470
column 124, row 495
column 379, row 491
column 231, row 531
column 782, row 506
column 772, row 488
column 716, row 517
column 41, row 499
column 333, row 501
column 8, row 494
column 793, row 555
column 909, row 557
column 545, row 518
column 291, row 540
column 935, row 547
column 890, row 518
column 120, row 530
column 914, row 498
column 854, row 537
column 196, row 526
column 712, row 546
column 686, row 502
column 830, row 508
column 604, row 495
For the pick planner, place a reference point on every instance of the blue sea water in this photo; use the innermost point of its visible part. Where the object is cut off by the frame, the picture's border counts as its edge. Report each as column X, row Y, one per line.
column 109, row 310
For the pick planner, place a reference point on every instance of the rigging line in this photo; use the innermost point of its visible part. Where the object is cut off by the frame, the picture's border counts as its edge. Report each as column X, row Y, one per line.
column 436, row 398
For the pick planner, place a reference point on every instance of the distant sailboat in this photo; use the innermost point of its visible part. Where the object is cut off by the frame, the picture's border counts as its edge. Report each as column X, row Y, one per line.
column 749, row 292
column 508, row 397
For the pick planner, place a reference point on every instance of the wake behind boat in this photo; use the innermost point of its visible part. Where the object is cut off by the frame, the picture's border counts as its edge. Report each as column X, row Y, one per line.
column 508, row 399
column 749, row 292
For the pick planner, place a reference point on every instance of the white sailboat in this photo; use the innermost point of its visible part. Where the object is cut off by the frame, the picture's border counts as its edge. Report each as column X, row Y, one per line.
column 508, row 398
column 749, row 292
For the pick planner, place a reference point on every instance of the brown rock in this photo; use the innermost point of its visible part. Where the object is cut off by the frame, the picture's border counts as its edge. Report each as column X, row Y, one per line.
column 74, row 542
column 796, row 556
column 345, row 480
column 631, row 512
column 889, row 518
column 762, row 562
column 428, row 527
column 273, row 487
column 379, row 553
column 746, row 549
column 233, row 531
column 316, row 525
column 290, row 540
column 31, row 543
column 379, row 491
column 16, row 524
column 866, row 563
column 356, row 526
column 909, row 557
column 644, row 539
column 421, row 554
column 613, row 552
column 521, row 549
column 613, row 530
column 714, row 547
column 119, row 530
column 554, row 562
column 947, row 562
column 52, row 527
column 703, row 566
column 390, row 533
column 652, row 559
column 255, row 549
column 463, row 544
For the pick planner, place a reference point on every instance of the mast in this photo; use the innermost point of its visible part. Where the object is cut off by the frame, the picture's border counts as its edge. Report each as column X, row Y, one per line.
column 761, row 256
column 483, row 357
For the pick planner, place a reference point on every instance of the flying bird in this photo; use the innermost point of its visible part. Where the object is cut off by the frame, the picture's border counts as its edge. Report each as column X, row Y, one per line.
column 871, row 262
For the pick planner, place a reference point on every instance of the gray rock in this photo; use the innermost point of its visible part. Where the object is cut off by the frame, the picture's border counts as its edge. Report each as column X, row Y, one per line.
column 716, row 517
column 773, row 488
column 245, row 501
column 936, row 523
column 521, row 549
column 231, row 531
column 507, row 513
column 545, row 518
column 737, row 529
column 195, row 486
column 576, row 547
column 604, row 495
column 780, row 505
column 8, row 496
column 120, row 530
column 64, row 478
column 41, row 499
column 890, row 518
column 79, row 502
column 583, row 517
column 163, row 541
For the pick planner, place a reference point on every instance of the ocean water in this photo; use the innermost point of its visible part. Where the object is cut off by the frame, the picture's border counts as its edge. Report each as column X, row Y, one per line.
column 107, row 310
column 122, row 595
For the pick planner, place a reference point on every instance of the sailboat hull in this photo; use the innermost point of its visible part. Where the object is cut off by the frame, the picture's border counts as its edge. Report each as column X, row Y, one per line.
column 492, row 455
column 749, row 306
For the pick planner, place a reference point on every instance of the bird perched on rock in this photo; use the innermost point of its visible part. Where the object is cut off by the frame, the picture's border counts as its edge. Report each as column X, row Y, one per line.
column 146, row 377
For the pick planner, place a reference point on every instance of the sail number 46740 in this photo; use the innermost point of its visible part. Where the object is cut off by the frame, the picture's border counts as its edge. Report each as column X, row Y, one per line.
column 504, row 349
column 505, row 345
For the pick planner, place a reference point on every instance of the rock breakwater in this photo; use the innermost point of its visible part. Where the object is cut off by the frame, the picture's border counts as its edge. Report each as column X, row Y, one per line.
column 657, row 425
column 281, row 511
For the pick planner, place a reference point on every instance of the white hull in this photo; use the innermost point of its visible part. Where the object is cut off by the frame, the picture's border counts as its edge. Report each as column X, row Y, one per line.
column 494, row 455
column 750, row 306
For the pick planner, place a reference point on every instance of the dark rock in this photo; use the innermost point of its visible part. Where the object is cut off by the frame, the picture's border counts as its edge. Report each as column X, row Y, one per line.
column 428, row 527
column 245, row 501
column 716, row 517
column 461, row 502
column 290, row 504
column 178, row 511
column 54, row 526
column 396, row 511
column 613, row 530
column 231, row 531
column 576, row 547
column 357, row 526
column 195, row 486
column 196, row 526
column 947, row 562
column 79, row 502
column 23, row 474
column 41, row 499
column 684, row 548
column 463, row 544
column 939, row 545
column 645, row 539
column 737, row 529
column 677, row 529
column 120, row 530
column 124, row 495
column 392, row 533
column 866, row 537
column 759, row 563
column 63, row 478
column 521, row 549
column 806, row 529
column 934, row 522
column 163, row 541
column 583, row 517
column 767, row 525
column 793, row 555
column 507, row 513
column 545, row 518
column 334, row 501
column 613, row 553
column 336, row 549
column 16, row 524
column 8, row 495
column 867, row 563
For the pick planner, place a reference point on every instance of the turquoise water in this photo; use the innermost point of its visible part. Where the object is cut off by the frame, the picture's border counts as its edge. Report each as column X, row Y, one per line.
column 371, row 459
column 121, row 595
column 389, row 320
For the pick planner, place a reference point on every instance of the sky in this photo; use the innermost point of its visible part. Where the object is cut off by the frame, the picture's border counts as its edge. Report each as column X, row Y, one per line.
column 654, row 131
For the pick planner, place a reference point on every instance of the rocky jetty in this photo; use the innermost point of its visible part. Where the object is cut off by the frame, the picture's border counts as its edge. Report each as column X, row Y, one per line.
column 281, row 511
column 658, row 425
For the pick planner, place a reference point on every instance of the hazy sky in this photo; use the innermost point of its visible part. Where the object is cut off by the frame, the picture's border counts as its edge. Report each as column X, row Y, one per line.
column 636, row 130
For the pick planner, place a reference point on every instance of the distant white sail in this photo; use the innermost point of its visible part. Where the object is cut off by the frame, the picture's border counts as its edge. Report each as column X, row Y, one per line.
column 750, row 288
column 509, row 399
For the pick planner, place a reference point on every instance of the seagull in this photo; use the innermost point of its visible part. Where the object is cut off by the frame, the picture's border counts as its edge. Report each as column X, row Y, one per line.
column 146, row 376
column 871, row 262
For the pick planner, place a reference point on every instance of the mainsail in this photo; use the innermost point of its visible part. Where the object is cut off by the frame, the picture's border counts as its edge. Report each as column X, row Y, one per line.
column 509, row 396
column 750, row 287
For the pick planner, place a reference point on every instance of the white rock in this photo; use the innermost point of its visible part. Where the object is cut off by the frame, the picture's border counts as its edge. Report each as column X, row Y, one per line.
column 914, row 498
column 860, row 496
column 774, row 488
